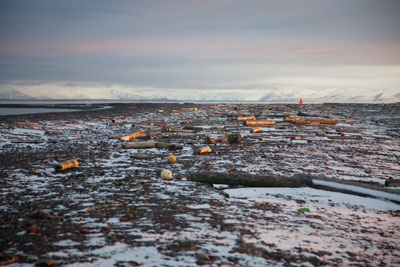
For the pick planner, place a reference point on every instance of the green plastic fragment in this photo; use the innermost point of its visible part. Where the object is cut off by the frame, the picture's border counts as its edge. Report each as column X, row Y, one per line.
column 304, row 210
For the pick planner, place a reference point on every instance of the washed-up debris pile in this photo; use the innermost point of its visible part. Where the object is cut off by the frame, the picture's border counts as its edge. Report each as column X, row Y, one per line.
column 110, row 186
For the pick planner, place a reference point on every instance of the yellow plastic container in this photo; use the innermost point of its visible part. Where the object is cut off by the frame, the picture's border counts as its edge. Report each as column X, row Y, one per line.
column 205, row 149
column 72, row 163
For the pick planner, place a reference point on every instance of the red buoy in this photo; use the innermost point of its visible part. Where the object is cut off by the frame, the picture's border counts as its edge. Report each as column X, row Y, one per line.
column 301, row 101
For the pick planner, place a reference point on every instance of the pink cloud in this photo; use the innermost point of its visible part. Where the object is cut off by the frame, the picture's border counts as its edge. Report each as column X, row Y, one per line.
column 193, row 47
column 73, row 47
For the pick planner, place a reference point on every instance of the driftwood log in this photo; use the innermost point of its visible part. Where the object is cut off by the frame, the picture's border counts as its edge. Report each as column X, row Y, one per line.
column 300, row 180
column 138, row 145
column 249, row 180
column 392, row 182
column 151, row 144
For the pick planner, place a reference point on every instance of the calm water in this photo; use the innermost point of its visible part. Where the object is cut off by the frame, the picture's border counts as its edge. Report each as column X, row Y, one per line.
column 19, row 111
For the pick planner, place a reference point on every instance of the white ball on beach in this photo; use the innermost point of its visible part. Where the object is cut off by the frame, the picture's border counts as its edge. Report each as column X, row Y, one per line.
column 166, row 175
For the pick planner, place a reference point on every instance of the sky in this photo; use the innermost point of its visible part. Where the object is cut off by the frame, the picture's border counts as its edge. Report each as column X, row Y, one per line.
column 187, row 49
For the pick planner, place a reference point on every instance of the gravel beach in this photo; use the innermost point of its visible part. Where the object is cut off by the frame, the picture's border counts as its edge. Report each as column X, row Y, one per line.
column 115, row 210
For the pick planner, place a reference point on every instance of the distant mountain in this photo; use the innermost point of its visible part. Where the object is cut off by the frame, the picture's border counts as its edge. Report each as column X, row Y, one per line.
column 67, row 93
column 283, row 95
column 15, row 95
column 291, row 95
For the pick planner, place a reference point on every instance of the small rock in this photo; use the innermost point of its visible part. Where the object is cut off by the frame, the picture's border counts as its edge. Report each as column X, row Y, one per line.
column 202, row 258
column 45, row 263
column 315, row 261
column 235, row 138
column 32, row 171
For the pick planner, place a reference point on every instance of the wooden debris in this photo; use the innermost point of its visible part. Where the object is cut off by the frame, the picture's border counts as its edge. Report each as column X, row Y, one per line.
column 161, row 123
column 104, row 117
column 189, row 109
column 324, row 122
column 142, row 156
column 256, row 130
column 392, row 182
column 302, row 122
column 27, row 124
column 260, row 122
column 246, row 118
column 315, row 122
column 9, row 261
column 298, row 180
column 210, row 140
column 132, row 135
column 27, row 142
column 138, row 145
column 247, row 179
column 151, row 144
column 177, row 129
column 193, row 128
column 93, row 208
column 163, row 145
column 118, row 123
column 292, row 118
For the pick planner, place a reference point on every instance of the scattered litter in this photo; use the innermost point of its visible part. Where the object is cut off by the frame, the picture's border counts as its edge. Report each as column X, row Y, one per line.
column 304, row 210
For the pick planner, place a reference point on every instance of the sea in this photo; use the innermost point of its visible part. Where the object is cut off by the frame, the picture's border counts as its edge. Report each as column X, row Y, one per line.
column 32, row 110
column 6, row 106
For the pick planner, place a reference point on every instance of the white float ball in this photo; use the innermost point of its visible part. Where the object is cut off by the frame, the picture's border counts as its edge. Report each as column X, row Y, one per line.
column 166, row 175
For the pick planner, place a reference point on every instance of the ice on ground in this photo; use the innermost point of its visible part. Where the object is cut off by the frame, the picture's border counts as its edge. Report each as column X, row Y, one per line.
column 313, row 197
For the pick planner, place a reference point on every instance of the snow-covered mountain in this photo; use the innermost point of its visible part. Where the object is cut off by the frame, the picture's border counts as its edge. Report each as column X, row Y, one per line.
column 67, row 93
column 15, row 95
column 342, row 96
column 283, row 95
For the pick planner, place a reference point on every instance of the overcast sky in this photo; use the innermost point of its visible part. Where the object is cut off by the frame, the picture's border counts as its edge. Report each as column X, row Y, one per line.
column 204, row 44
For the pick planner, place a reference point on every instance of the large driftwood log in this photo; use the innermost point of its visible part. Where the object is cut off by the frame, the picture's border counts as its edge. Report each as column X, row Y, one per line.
column 300, row 180
column 138, row 145
column 249, row 180
column 392, row 182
